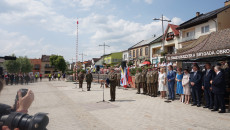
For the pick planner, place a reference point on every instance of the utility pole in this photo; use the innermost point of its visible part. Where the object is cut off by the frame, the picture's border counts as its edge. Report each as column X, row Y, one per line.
column 104, row 45
column 82, row 56
column 76, row 51
column 162, row 20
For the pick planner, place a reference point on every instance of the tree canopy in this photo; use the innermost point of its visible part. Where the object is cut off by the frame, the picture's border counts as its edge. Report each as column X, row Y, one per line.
column 21, row 64
column 58, row 62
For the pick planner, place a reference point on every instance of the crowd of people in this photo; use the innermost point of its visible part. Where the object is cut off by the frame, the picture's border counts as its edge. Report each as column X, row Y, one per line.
column 190, row 85
column 16, row 79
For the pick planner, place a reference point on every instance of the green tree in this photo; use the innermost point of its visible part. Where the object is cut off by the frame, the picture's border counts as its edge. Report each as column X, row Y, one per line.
column 58, row 62
column 21, row 64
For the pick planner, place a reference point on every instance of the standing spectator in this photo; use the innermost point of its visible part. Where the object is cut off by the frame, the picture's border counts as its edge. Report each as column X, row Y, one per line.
column 186, row 87
column 196, row 84
column 179, row 89
column 11, row 79
column 171, row 82
column 162, row 83
column 218, row 88
column 27, row 79
column 59, row 76
column 16, row 79
column 50, row 77
column 40, row 77
column 206, row 85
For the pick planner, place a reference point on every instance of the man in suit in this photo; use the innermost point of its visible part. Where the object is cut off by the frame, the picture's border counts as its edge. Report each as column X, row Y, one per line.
column 196, row 84
column 171, row 82
column 208, row 75
column 218, row 88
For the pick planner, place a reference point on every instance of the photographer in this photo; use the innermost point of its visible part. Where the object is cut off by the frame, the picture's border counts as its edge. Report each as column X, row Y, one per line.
column 22, row 104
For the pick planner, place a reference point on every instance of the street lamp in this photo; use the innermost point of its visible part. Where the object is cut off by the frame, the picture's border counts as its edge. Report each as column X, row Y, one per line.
column 162, row 20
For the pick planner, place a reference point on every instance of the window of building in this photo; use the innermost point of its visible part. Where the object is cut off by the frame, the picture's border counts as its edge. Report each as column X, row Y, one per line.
column 155, row 51
column 133, row 53
column 170, row 49
column 205, row 29
column 146, row 50
column 125, row 56
column 190, row 34
column 141, row 52
column 130, row 54
column 137, row 52
column 169, row 36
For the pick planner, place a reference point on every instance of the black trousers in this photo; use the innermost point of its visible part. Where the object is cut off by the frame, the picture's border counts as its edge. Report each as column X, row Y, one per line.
column 219, row 101
column 209, row 97
column 196, row 95
column 80, row 83
column 113, row 91
column 88, row 85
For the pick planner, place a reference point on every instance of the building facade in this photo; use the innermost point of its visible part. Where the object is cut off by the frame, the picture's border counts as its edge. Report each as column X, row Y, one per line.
column 113, row 58
column 204, row 24
column 36, row 63
column 155, row 51
column 140, row 52
column 125, row 55
column 46, row 67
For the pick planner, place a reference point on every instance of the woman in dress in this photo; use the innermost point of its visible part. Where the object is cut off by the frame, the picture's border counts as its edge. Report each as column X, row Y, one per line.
column 162, row 83
column 185, row 84
column 179, row 89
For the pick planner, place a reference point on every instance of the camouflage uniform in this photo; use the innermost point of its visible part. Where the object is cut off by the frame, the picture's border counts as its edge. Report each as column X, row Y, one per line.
column 112, row 81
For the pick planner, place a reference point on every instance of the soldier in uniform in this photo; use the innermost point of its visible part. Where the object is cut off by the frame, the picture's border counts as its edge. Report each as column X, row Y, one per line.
column 143, row 80
column 148, row 79
column 16, row 79
column 113, row 82
column 118, row 78
column 89, row 79
column 81, row 77
column 137, row 81
column 155, row 82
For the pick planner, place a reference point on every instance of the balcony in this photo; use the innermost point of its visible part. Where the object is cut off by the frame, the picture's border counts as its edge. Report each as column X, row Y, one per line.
column 184, row 39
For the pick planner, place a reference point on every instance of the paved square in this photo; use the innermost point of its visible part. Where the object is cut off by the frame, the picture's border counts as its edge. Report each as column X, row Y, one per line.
column 71, row 109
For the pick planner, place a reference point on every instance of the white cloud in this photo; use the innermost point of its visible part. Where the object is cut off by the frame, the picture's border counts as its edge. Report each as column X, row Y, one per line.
column 149, row 1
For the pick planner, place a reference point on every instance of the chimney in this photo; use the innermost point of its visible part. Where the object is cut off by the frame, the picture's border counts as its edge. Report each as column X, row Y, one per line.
column 197, row 14
column 227, row 2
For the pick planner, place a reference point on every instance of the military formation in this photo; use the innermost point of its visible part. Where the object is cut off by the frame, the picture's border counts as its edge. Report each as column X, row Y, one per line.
column 148, row 80
column 16, row 79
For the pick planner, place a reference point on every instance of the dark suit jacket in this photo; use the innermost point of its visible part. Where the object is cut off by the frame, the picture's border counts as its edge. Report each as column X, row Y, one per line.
column 197, row 79
column 171, row 76
column 208, row 78
column 218, row 84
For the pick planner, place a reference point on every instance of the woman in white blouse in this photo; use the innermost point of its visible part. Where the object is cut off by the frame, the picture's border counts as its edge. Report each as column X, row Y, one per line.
column 186, row 87
column 162, row 83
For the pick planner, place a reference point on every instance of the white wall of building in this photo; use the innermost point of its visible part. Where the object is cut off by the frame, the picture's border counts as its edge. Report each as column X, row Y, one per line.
column 197, row 31
column 125, row 55
column 155, row 58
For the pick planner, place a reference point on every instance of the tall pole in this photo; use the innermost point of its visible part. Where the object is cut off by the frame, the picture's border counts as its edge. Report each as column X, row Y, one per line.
column 163, row 37
column 104, row 45
column 163, row 46
column 77, row 50
column 82, row 56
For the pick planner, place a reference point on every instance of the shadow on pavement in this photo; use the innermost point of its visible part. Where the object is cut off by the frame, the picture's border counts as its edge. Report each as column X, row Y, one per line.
column 125, row 100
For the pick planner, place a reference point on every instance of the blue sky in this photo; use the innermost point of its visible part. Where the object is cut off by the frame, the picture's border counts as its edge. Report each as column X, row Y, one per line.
column 35, row 27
